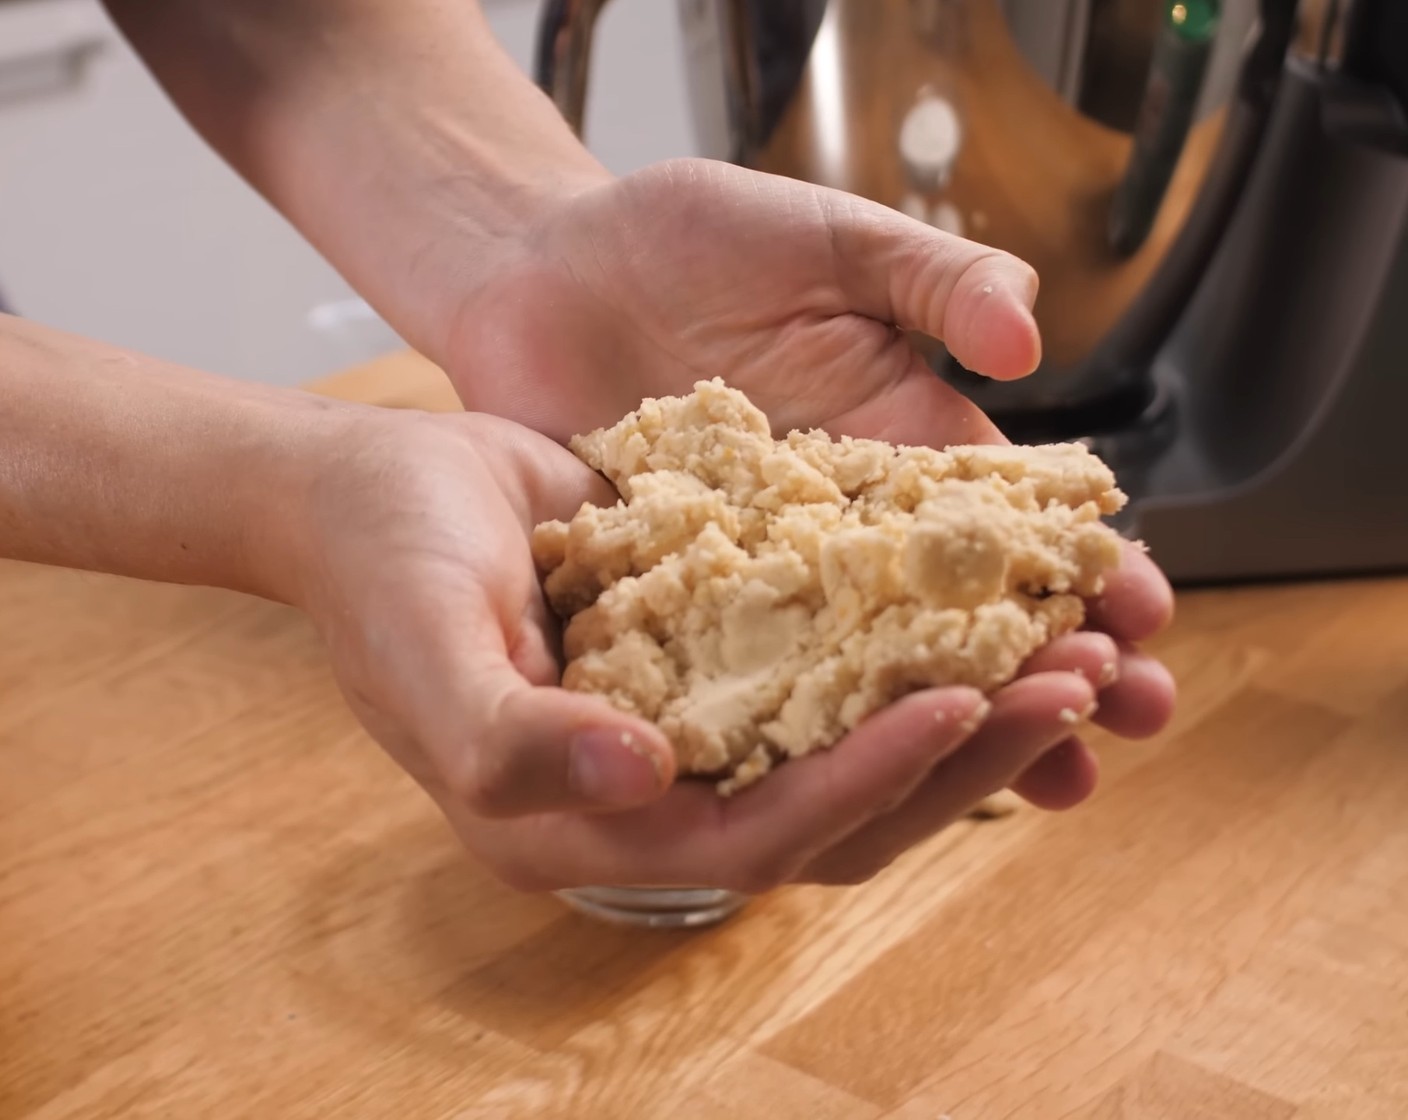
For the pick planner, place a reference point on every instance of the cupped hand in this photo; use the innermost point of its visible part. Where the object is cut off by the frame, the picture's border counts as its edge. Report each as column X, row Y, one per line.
column 798, row 295
column 802, row 297
column 419, row 575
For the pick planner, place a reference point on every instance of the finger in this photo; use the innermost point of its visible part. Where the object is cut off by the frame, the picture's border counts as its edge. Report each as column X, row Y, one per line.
column 919, row 410
column 537, row 652
column 1142, row 703
column 1087, row 653
column 821, row 798
column 1137, row 602
column 505, row 747
column 758, row 838
column 976, row 299
column 1061, row 778
column 533, row 749
column 547, row 481
column 1136, row 691
column 1028, row 718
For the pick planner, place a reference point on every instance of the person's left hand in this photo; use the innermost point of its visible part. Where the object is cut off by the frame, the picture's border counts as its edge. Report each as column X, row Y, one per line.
column 796, row 294
column 799, row 296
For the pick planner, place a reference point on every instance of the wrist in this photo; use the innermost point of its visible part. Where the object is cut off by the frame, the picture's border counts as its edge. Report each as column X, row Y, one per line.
column 467, row 216
column 113, row 462
column 279, row 451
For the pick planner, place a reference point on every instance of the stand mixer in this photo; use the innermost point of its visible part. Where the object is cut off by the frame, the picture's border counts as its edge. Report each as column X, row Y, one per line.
column 1215, row 196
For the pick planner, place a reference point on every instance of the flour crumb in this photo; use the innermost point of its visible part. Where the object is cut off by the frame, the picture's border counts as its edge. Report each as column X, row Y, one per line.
column 997, row 805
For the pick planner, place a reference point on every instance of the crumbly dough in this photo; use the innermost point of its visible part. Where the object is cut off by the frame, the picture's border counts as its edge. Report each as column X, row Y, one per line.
column 997, row 805
column 758, row 598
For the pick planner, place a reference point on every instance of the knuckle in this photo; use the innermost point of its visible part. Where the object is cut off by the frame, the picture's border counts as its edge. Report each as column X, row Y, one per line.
column 978, row 270
column 481, row 786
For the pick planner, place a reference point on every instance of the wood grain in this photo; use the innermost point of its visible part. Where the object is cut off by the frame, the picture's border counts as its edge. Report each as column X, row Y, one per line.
column 217, row 898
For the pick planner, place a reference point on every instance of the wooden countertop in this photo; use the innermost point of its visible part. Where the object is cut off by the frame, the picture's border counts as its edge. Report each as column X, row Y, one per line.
column 217, row 898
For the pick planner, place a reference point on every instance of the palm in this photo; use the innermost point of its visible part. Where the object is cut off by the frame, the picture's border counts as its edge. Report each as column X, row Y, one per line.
column 433, row 516
column 696, row 270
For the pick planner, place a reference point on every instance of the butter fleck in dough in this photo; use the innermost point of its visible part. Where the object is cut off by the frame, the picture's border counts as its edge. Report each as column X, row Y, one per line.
column 759, row 598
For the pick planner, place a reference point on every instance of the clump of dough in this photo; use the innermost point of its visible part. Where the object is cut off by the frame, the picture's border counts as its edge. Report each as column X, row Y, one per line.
column 758, row 598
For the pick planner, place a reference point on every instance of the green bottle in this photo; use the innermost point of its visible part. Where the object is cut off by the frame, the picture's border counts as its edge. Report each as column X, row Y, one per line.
column 1181, row 54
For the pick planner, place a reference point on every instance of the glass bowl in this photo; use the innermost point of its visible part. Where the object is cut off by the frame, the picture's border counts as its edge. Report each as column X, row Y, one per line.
column 655, row 907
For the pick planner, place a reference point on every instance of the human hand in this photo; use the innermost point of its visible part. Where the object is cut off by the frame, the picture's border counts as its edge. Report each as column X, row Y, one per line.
column 692, row 269
column 418, row 572
column 799, row 296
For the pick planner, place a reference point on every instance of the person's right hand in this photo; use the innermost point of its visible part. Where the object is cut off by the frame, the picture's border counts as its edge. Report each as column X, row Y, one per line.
column 418, row 573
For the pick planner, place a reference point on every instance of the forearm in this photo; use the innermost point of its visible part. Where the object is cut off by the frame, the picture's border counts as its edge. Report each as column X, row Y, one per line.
column 399, row 138
column 117, row 463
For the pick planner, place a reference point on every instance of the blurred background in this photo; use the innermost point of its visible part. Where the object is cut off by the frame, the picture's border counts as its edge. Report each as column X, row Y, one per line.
column 1214, row 192
column 117, row 222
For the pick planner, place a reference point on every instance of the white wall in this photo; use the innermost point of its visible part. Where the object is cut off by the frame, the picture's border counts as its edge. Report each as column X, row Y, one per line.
column 118, row 223
column 636, row 110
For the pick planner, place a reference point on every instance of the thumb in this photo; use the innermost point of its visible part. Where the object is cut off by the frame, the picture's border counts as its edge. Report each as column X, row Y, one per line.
column 975, row 299
column 505, row 747
column 501, row 744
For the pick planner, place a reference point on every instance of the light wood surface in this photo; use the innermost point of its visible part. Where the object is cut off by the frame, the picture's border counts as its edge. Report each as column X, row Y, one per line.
column 217, row 898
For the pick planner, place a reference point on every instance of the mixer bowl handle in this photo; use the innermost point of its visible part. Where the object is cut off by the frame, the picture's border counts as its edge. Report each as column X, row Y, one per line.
column 564, row 50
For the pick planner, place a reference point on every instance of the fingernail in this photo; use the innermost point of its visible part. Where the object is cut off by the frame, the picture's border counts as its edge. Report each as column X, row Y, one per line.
column 612, row 767
column 976, row 719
